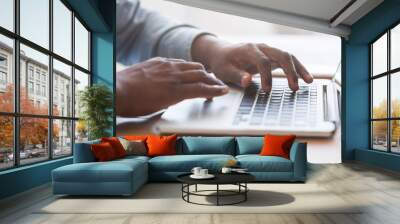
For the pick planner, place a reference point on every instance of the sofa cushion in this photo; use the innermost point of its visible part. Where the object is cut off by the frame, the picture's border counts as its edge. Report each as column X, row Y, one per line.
column 103, row 152
column 116, row 145
column 185, row 163
column 249, row 145
column 257, row 163
column 277, row 145
column 112, row 171
column 134, row 147
column 208, row 145
column 161, row 145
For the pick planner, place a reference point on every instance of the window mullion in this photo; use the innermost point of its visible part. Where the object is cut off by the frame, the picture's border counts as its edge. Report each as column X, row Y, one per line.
column 50, row 81
column 73, row 82
column 389, row 104
column 371, row 140
column 16, row 69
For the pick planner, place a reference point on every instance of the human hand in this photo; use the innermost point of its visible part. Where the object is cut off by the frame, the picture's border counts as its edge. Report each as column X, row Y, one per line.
column 236, row 63
column 157, row 83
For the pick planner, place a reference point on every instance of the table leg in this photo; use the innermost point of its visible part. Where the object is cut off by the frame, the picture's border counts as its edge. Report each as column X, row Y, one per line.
column 182, row 188
column 195, row 188
column 217, row 194
column 188, row 190
column 245, row 193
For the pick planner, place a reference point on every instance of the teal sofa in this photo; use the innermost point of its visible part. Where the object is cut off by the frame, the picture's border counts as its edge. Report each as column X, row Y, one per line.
column 125, row 176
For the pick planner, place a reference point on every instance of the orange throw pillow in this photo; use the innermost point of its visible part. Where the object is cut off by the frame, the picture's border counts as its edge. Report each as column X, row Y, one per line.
column 135, row 137
column 116, row 145
column 161, row 145
column 277, row 145
column 103, row 152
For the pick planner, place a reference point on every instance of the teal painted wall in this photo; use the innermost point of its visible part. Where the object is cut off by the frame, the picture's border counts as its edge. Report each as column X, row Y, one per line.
column 380, row 159
column 355, row 72
column 99, row 16
column 103, row 53
column 24, row 178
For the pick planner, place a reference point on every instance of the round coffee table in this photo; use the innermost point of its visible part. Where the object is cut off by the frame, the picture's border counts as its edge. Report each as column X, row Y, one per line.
column 238, row 179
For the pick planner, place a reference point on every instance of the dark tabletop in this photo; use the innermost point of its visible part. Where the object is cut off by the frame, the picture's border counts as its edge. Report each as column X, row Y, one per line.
column 220, row 178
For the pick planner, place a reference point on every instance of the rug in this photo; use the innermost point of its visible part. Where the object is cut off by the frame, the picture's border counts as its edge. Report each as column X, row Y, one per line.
column 166, row 198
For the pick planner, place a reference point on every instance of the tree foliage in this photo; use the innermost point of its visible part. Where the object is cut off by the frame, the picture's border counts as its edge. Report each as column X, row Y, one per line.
column 96, row 102
column 380, row 127
column 33, row 131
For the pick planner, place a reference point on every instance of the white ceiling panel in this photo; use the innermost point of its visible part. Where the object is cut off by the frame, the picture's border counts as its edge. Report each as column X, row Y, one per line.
column 326, row 16
column 321, row 9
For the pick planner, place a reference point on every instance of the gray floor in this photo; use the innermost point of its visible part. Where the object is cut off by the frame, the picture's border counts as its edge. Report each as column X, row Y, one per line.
column 351, row 181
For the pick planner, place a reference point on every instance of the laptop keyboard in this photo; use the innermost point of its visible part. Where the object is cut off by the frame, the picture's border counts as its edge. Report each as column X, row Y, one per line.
column 281, row 106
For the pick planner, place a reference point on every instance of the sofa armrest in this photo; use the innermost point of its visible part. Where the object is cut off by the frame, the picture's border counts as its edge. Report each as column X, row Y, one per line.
column 298, row 155
column 83, row 152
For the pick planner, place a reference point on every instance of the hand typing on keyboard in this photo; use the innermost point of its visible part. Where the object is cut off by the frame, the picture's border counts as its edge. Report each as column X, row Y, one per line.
column 236, row 63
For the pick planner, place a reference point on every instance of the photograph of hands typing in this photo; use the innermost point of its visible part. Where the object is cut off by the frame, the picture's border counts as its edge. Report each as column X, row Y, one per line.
column 199, row 111
column 234, row 76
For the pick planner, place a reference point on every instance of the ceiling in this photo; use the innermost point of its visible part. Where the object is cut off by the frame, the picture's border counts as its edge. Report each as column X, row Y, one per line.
column 326, row 16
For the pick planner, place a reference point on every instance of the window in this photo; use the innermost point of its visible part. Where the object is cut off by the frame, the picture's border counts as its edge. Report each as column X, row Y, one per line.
column 3, row 61
column 37, row 75
column 30, row 72
column 385, row 94
column 62, row 74
column 34, row 21
column 62, row 32
column 44, row 124
column 6, row 142
column 81, row 81
column 3, row 78
column 6, row 73
column 37, row 89
column 30, row 88
column 81, row 45
column 7, row 14
column 44, row 91
column 62, row 138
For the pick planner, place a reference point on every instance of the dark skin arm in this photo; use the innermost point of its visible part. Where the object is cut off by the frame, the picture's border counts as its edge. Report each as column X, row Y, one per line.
column 155, row 84
column 236, row 63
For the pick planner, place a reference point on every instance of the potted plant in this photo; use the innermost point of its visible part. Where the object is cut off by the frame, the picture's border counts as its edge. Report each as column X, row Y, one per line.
column 96, row 103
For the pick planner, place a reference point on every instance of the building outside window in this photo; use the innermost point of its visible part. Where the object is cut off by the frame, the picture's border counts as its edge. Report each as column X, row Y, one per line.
column 385, row 92
column 30, row 72
column 3, row 72
column 57, row 129
column 3, row 61
column 30, row 87
column 38, row 89
column 44, row 91
column 44, row 77
column 37, row 74
column 3, row 78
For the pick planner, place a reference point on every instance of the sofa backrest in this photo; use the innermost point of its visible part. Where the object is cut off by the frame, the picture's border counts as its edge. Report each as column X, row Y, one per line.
column 206, row 145
column 249, row 145
column 83, row 152
column 191, row 146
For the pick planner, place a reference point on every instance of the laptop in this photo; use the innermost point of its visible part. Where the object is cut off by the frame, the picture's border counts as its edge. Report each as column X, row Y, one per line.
column 312, row 111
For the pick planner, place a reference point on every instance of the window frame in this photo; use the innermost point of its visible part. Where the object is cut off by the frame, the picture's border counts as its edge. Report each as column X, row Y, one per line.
column 388, row 74
column 16, row 115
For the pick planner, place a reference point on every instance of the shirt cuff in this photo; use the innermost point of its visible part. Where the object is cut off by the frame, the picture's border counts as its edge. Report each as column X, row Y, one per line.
column 177, row 43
